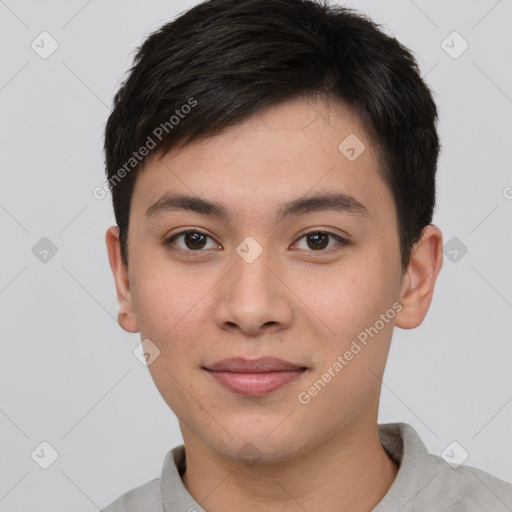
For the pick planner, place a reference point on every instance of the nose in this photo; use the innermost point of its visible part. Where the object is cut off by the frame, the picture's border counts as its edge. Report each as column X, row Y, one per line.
column 253, row 298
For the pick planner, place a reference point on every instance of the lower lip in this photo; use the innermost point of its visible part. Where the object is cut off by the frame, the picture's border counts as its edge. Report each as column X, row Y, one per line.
column 255, row 384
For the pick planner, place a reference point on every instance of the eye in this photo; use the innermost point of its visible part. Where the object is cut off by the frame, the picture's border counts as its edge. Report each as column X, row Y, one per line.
column 318, row 241
column 193, row 241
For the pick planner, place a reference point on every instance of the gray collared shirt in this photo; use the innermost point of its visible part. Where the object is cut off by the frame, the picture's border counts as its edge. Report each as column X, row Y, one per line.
column 424, row 482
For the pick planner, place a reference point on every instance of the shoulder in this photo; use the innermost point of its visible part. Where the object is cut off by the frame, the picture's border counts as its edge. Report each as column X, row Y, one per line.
column 464, row 489
column 147, row 497
column 428, row 483
column 150, row 497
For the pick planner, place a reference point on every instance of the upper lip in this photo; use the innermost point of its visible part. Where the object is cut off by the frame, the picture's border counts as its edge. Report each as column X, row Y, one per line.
column 260, row 365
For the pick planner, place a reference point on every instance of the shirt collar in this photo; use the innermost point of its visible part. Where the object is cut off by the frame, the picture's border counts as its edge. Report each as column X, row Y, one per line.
column 400, row 441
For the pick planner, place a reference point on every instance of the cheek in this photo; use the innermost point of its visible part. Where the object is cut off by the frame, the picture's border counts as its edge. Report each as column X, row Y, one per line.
column 350, row 302
column 177, row 388
column 171, row 307
column 349, row 297
column 166, row 300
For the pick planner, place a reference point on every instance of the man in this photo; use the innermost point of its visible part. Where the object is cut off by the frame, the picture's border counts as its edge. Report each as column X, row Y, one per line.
column 272, row 165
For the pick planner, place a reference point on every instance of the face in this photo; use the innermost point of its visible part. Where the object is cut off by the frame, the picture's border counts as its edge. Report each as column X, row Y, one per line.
column 266, row 271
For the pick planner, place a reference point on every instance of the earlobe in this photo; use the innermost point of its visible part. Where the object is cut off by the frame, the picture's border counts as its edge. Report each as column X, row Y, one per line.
column 420, row 278
column 126, row 315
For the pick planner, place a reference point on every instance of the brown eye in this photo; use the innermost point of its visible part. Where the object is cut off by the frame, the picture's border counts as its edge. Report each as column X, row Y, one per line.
column 318, row 241
column 192, row 241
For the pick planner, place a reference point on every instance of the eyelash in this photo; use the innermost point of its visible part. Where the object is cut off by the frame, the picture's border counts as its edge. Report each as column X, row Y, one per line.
column 341, row 241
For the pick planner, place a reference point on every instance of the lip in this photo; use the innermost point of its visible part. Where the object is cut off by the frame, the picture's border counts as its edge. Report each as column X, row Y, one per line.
column 254, row 377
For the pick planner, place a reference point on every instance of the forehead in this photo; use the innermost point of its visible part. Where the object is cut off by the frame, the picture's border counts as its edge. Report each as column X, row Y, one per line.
column 293, row 149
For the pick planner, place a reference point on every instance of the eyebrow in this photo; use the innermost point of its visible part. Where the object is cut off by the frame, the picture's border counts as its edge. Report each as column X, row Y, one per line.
column 338, row 202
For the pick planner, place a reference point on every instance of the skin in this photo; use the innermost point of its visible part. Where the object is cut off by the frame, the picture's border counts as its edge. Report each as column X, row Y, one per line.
column 296, row 302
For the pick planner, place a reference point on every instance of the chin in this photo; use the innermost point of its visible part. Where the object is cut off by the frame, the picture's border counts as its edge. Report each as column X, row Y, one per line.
column 257, row 447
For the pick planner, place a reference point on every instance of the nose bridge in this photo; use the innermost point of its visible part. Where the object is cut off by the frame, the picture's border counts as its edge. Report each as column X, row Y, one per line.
column 251, row 296
column 251, row 275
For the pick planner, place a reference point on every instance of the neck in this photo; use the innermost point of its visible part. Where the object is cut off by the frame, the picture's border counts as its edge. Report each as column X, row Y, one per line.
column 348, row 471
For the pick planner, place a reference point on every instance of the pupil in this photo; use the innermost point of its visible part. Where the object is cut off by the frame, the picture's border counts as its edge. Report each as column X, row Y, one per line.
column 193, row 239
column 315, row 237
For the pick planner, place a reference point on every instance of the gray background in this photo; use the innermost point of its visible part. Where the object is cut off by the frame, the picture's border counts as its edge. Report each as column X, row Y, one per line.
column 68, row 373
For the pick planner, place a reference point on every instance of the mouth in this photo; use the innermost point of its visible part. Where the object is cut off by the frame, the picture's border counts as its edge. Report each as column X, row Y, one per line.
column 256, row 377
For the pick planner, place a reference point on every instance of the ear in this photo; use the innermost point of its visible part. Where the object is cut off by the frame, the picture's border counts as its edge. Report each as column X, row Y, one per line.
column 126, row 315
column 420, row 278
